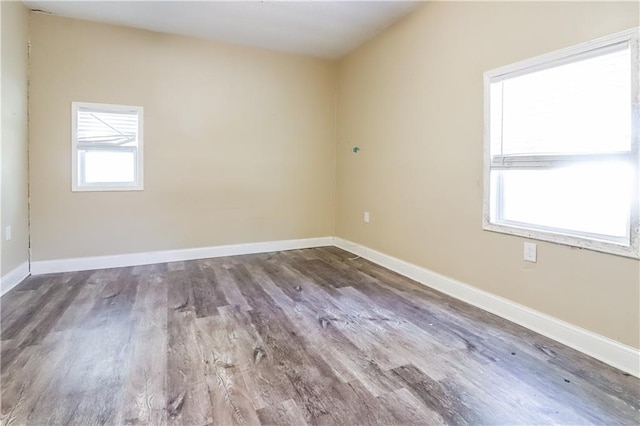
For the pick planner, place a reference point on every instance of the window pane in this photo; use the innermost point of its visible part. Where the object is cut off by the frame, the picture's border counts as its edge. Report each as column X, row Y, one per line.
column 579, row 107
column 593, row 198
column 109, row 166
column 103, row 127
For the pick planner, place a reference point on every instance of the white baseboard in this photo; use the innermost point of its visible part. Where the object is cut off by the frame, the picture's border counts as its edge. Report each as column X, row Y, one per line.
column 616, row 354
column 134, row 259
column 14, row 277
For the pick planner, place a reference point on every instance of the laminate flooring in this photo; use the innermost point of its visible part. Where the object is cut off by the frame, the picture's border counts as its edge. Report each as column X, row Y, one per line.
column 299, row 337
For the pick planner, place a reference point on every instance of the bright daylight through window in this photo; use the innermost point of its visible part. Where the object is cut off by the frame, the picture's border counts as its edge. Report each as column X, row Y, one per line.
column 561, row 146
column 106, row 147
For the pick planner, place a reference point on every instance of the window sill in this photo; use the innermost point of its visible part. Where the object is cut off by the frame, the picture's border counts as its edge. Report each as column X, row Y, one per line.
column 106, row 188
column 630, row 251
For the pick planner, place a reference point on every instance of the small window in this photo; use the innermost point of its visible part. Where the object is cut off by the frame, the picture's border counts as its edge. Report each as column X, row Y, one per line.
column 561, row 146
column 106, row 147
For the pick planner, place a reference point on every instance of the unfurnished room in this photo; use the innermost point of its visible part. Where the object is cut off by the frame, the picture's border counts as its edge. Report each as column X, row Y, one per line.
column 320, row 212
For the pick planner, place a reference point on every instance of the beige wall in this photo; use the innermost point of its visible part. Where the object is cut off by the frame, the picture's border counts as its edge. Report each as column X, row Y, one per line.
column 412, row 100
column 15, row 36
column 239, row 142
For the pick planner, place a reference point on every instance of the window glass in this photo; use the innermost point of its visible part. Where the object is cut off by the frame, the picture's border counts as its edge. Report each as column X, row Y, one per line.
column 109, row 166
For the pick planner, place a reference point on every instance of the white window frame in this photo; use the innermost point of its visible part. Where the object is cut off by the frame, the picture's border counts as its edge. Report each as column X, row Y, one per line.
column 76, row 184
column 630, row 248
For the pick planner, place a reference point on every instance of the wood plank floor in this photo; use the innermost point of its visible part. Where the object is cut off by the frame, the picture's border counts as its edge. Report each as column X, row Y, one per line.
column 298, row 337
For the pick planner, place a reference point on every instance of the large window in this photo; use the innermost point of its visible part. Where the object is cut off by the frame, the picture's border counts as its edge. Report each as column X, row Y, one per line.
column 561, row 146
column 106, row 147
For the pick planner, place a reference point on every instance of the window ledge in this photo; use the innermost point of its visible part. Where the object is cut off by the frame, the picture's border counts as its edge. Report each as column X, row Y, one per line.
column 630, row 251
column 105, row 188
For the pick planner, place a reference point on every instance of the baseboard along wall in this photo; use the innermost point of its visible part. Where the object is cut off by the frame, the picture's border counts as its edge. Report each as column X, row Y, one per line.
column 14, row 277
column 135, row 259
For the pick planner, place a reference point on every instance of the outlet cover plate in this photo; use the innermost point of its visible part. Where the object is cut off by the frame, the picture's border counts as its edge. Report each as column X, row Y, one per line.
column 530, row 252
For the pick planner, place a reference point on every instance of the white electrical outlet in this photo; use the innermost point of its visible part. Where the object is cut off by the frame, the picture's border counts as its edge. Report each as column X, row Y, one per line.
column 366, row 217
column 530, row 252
column 7, row 233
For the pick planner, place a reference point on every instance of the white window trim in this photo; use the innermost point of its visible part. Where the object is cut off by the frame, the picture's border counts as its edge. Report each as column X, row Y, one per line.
column 139, row 184
column 633, row 249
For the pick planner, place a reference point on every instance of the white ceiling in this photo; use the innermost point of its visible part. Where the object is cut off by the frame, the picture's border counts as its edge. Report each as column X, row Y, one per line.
column 327, row 29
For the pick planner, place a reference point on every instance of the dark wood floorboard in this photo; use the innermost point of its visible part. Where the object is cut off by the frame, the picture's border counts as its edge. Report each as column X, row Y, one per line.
column 315, row 336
